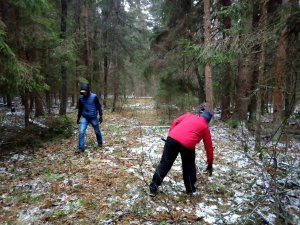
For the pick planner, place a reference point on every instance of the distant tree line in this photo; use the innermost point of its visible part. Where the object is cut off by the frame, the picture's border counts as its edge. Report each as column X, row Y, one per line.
column 49, row 47
column 239, row 56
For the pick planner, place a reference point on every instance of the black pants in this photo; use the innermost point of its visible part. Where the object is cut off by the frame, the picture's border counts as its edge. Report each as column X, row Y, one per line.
column 170, row 153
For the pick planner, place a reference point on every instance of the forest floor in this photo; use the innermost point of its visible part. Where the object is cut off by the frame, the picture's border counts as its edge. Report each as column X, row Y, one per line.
column 109, row 185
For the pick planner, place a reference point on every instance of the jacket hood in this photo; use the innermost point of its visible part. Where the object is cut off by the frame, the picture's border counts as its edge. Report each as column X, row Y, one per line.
column 85, row 87
column 207, row 116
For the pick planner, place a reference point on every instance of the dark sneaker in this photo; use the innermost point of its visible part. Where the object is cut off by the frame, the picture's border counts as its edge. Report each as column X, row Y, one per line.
column 78, row 151
column 152, row 192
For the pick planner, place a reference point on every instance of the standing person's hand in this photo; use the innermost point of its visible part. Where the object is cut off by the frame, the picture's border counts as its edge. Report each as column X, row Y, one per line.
column 100, row 119
column 209, row 169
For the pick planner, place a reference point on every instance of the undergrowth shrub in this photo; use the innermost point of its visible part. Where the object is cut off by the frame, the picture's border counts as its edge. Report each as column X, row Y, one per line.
column 35, row 135
column 233, row 123
column 59, row 126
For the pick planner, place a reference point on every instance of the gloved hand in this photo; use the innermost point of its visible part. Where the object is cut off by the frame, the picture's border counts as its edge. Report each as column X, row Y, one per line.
column 209, row 169
column 100, row 119
column 78, row 120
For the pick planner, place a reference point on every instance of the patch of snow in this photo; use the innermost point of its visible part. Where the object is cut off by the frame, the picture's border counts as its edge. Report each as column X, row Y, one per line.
column 18, row 157
column 207, row 212
column 232, row 219
column 162, row 209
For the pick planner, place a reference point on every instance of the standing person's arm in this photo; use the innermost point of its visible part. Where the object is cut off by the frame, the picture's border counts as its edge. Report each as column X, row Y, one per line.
column 99, row 108
column 209, row 150
column 79, row 111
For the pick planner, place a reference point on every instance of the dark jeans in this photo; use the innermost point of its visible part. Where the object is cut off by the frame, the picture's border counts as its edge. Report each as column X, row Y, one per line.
column 170, row 153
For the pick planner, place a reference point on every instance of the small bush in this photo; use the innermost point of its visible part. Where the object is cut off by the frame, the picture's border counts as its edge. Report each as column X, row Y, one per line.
column 59, row 126
column 34, row 136
column 233, row 123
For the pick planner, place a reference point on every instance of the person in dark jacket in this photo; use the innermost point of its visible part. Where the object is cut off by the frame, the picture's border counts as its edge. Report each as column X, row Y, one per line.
column 88, row 109
column 184, row 133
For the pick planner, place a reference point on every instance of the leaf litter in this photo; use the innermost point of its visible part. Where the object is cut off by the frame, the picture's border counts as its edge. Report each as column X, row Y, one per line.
column 109, row 185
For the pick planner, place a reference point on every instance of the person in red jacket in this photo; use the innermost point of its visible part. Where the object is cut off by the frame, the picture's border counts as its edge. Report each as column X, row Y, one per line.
column 184, row 133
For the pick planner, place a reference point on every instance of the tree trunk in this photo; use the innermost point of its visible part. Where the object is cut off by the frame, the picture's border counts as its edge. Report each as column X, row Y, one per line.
column 86, row 50
column 116, row 80
column 64, row 97
column 252, row 104
column 226, row 79
column 290, row 95
column 105, row 58
column 261, row 75
column 280, row 77
column 8, row 101
column 244, row 79
column 48, row 102
column 105, row 88
column 208, row 69
column 77, row 40
column 26, row 108
column 225, row 99
column 201, row 97
column 39, row 110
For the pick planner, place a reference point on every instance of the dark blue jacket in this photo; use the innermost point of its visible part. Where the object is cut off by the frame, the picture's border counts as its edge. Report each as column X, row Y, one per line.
column 88, row 106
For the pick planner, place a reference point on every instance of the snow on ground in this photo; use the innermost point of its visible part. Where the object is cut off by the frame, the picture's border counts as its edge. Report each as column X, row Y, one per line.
column 235, row 174
column 106, row 186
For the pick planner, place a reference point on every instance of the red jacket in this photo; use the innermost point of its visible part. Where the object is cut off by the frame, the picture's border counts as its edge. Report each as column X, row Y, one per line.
column 190, row 129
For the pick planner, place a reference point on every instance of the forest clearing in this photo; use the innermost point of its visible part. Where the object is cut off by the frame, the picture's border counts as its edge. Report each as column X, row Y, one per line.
column 54, row 185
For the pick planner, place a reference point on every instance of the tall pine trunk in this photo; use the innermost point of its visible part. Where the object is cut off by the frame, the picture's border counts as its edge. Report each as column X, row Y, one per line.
column 105, row 58
column 280, row 78
column 26, row 108
column 39, row 109
column 226, row 79
column 261, row 75
column 244, row 79
column 63, row 29
column 77, row 40
column 86, row 50
column 105, row 81
column 117, row 62
column 279, row 81
column 208, row 69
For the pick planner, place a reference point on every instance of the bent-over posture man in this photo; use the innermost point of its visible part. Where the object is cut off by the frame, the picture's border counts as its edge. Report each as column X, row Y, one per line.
column 184, row 133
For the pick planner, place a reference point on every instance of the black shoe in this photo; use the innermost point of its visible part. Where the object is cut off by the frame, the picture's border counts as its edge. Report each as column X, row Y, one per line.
column 78, row 151
column 152, row 192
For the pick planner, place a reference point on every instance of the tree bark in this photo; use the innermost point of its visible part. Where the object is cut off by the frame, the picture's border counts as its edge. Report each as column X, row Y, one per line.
column 105, row 58
column 86, row 50
column 77, row 40
column 105, row 83
column 208, row 69
column 226, row 79
column 39, row 110
column 117, row 62
column 280, row 78
column 261, row 75
column 63, row 29
column 26, row 108
column 244, row 79
column 201, row 97
column 278, row 99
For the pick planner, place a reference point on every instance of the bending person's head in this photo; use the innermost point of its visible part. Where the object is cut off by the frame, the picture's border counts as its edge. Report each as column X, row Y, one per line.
column 206, row 115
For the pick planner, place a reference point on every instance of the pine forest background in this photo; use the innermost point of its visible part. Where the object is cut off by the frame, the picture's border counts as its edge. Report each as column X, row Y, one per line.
column 241, row 57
